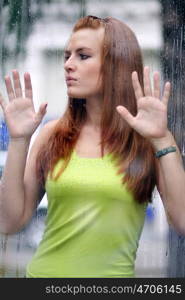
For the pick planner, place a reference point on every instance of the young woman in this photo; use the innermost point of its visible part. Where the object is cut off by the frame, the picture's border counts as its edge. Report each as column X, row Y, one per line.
column 98, row 164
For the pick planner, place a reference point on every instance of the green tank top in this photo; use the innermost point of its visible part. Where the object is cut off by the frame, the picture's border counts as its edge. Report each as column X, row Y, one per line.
column 93, row 223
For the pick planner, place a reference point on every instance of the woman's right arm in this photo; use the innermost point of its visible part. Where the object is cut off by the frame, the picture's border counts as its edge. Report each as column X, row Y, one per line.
column 19, row 190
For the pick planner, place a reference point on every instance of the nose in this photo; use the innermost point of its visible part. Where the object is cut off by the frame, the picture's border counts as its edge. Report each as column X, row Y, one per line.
column 70, row 65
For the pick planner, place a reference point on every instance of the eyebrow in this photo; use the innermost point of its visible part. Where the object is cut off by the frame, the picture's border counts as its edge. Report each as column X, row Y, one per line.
column 78, row 50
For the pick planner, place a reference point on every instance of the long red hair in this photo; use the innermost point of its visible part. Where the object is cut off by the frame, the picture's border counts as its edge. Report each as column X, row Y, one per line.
column 132, row 153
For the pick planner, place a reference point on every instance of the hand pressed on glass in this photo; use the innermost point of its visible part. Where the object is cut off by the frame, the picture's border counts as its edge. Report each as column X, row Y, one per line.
column 151, row 118
column 19, row 112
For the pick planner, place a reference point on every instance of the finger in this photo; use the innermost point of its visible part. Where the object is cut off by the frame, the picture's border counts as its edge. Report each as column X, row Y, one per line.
column 17, row 84
column 136, row 85
column 42, row 111
column 28, row 86
column 147, row 83
column 166, row 93
column 126, row 115
column 2, row 102
column 9, row 88
column 156, row 78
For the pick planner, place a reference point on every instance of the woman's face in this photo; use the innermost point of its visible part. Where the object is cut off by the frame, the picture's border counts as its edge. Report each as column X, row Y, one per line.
column 83, row 63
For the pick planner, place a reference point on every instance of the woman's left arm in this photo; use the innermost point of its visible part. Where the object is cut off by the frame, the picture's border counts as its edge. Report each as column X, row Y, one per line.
column 151, row 122
column 171, row 185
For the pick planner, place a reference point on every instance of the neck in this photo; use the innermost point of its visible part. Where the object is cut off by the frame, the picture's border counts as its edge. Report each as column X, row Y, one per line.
column 94, row 111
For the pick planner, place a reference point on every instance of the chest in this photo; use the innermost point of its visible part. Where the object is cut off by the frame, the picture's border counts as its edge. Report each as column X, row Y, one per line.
column 88, row 144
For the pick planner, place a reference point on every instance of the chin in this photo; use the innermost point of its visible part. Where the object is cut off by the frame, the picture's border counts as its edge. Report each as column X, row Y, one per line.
column 76, row 96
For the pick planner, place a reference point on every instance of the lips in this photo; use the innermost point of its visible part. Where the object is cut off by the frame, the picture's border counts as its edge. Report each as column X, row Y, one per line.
column 69, row 79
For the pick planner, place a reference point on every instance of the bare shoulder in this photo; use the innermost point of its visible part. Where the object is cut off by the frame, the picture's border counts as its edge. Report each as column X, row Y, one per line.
column 51, row 124
column 44, row 133
column 47, row 129
column 36, row 144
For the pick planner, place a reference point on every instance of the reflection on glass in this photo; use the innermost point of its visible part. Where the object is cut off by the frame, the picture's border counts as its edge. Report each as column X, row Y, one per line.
column 32, row 38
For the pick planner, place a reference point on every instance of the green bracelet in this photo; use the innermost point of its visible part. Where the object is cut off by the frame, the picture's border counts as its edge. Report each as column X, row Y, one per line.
column 165, row 151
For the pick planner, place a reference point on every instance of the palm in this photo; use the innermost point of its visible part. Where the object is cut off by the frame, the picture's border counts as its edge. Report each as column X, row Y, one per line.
column 151, row 118
column 20, row 118
column 19, row 113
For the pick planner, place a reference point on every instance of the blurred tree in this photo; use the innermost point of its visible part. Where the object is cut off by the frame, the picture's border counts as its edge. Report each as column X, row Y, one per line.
column 173, row 62
column 20, row 21
column 82, row 6
column 17, row 18
column 15, row 22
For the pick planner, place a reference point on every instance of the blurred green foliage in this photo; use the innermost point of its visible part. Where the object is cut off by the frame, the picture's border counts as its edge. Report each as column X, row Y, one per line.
column 17, row 18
